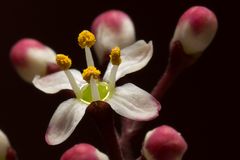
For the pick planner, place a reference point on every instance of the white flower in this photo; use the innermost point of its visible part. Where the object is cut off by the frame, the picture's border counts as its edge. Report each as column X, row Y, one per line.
column 127, row 100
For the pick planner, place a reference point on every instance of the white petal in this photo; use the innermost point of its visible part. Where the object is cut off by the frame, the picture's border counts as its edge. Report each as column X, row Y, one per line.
column 64, row 121
column 134, row 103
column 134, row 58
column 55, row 82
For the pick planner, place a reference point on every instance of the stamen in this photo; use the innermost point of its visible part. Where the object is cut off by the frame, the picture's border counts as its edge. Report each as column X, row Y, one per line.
column 112, row 77
column 89, row 72
column 86, row 39
column 115, row 56
column 73, row 83
column 63, row 61
column 89, row 57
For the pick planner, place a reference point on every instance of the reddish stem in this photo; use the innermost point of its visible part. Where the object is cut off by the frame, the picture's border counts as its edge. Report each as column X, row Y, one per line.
column 164, row 83
column 102, row 113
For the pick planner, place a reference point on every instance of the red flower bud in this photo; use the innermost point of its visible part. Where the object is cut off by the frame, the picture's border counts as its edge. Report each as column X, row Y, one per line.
column 83, row 151
column 164, row 143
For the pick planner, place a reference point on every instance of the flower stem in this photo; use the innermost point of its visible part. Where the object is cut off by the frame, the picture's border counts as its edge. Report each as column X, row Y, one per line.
column 125, row 139
column 178, row 62
column 102, row 113
column 111, row 141
column 164, row 83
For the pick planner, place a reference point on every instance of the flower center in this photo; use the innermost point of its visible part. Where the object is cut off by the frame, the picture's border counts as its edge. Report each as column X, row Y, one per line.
column 86, row 92
column 94, row 90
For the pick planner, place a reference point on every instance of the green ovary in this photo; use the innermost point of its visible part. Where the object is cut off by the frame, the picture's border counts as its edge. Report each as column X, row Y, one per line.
column 87, row 95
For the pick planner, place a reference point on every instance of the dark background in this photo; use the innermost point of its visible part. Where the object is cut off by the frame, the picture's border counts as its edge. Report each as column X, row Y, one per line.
column 198, row 104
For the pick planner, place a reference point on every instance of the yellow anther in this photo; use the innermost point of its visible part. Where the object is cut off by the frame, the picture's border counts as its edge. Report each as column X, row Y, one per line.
column 63, row 61
column 86, row 39
column 115, row 56
column 90, row 71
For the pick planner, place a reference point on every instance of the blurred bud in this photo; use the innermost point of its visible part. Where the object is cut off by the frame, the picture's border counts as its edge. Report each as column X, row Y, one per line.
column 163, row 143
column 30, row 57
column 6, row 151
column 83, row 151
column 195, row 30
column 112, row 28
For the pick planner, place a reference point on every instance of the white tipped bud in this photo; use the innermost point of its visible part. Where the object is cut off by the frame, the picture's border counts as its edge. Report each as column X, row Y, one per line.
column 112, row 28
column 195, row 30
column 83, row 151
column 30, row 57
column 4, row 145
column 6, row 151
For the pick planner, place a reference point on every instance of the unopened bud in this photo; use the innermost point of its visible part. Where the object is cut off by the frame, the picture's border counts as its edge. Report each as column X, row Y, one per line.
column 163, row 143
column 83, row 151
column 30, row 57
column 195, row 30
column 112, row 28
column 6, row 151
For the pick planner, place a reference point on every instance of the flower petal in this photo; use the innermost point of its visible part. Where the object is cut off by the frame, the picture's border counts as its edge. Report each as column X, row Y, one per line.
column 64, row 121
column 57, row 81
column 134, row 103
column 134, row 58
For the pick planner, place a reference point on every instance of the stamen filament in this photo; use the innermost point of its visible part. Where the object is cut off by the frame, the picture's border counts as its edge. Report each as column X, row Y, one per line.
column 94, row 89
column 89, row 57
column 73, row 84
column 112, row 76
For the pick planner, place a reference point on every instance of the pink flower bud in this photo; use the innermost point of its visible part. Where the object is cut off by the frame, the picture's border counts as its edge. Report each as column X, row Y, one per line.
column 163, row 143
column 30, row 57
column 112, row 28
column 195, row 30
column 6, row 151
column 83, row 151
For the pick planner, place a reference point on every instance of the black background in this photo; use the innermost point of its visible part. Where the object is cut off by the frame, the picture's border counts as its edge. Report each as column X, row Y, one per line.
column 198, row 104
